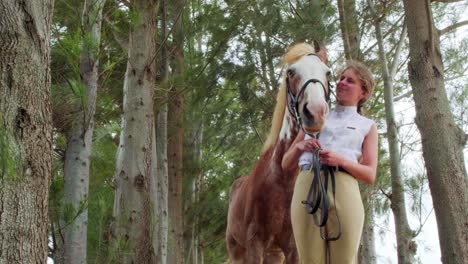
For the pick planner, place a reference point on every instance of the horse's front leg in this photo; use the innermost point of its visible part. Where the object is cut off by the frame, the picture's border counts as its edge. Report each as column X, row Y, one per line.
column 290, row 252
column 273, row 255
column 235, row 250
column 254, row 251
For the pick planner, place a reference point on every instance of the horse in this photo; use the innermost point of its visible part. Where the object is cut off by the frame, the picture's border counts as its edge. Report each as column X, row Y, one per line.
column 258, row 223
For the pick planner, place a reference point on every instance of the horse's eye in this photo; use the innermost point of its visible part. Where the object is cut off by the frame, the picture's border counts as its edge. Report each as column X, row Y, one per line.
column 328, row 73
column 290, row 73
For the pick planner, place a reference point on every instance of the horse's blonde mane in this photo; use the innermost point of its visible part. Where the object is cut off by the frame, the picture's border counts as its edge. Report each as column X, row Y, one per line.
column 293, row 53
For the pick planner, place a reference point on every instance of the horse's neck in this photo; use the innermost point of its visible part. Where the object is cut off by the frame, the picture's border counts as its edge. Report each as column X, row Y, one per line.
column 269, row 165
column 282, row 146
column 289, row 131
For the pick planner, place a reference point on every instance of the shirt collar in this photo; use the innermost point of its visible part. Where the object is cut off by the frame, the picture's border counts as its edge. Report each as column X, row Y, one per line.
column 346, row 110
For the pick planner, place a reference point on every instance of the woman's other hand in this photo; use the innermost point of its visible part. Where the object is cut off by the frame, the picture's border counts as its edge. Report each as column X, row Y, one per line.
column 308, row 145
column 330, row 158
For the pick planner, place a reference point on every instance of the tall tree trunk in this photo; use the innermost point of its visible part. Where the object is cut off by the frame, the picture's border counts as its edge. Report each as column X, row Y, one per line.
column 367, row 254
column 162, row 181
column 349, row 29
column 135, row 204
column 193, row 239
column 77, row 155
column 25, row 130
column 161, row 146
column 442, row 139
column 175, row 140
column 351, row 36
column 406, row 246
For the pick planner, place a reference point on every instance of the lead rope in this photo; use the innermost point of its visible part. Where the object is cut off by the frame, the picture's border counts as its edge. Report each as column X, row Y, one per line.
column 318, row 198
column 327, row 248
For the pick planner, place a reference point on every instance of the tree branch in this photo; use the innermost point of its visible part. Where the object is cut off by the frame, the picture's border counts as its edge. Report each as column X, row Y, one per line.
column 430, row 25
column 122, row 41
column 392, row 29
column 401, row 96
column 396, row 57
column 388, row 195
column 453, row 27
column 295, row 11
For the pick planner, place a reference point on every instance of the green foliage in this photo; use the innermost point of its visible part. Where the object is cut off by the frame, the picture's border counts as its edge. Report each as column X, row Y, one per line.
column 101, row 194
column 68, row 49
column 70, row 212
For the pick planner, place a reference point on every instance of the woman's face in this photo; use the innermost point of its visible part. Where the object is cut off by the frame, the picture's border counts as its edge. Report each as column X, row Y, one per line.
column 349, row 89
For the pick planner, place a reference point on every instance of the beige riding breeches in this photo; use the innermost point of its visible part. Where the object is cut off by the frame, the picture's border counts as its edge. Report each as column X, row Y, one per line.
column 348, row 205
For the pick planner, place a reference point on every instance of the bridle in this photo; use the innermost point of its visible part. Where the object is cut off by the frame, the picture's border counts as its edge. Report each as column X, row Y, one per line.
column 293, row 100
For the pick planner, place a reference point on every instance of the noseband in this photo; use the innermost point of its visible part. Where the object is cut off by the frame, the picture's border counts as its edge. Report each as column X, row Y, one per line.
column 293, row 103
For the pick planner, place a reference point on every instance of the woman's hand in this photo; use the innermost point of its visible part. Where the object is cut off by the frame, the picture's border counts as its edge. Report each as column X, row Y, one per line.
column 308, row 145
column 330, row 158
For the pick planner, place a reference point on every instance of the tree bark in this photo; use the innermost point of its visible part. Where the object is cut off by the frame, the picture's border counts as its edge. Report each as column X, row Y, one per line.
column 367, row 254
column 442, row 139
column 175, row 141
column 161, row 147
column 25, row 130
column 406, row 246
column 349, row 29
column 350, row 35
column 196, row 173
column 77, row 155
column 135, row 203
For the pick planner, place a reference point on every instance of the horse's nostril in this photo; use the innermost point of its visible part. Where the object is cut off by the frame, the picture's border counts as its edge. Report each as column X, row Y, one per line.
column 307, row 113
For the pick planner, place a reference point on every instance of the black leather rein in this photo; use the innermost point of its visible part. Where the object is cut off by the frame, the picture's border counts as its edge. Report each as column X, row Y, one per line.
column 318, row 196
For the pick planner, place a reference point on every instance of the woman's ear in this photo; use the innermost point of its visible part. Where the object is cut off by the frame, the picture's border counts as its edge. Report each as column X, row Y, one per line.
column 365, row 95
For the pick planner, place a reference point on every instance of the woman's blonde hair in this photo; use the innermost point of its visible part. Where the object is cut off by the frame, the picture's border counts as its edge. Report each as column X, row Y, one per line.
column 365, row 76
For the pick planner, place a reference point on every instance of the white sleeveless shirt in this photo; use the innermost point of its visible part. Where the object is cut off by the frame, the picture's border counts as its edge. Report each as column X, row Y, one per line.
column 343, row 133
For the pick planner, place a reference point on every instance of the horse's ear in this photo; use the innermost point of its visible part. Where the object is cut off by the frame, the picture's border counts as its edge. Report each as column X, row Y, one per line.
column 321, row 51
column 316, row 46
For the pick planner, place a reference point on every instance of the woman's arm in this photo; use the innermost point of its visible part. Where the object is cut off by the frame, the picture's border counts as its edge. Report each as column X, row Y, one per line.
column 299, row 145
column 367, row 168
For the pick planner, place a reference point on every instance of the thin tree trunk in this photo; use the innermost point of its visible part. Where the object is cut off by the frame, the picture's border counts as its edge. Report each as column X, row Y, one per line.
column 161, row 147
column 350, row 36
column 193, row 243
column 175, row 141
column 442, row 139
column 367, row 254
column 162, row 181
column 77, row 155
column 406, row 246
column 25, row 130
column 135, row 203
column 349, row 29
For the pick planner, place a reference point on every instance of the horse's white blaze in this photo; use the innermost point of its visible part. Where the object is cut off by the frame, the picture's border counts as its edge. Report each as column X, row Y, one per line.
column 314, row 94
column 308, row 67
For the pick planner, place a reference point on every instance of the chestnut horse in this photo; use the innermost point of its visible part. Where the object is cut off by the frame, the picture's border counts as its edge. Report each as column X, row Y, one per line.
column 259, row 226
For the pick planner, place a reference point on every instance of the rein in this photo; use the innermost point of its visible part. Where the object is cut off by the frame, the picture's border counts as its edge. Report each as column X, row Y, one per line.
column 318, row 196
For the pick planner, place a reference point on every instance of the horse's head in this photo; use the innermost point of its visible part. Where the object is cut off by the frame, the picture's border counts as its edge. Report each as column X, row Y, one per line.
column 307, row 88
column 304, row 85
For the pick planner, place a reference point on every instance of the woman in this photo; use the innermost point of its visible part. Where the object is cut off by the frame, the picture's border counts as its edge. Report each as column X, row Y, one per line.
column 348, row 142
